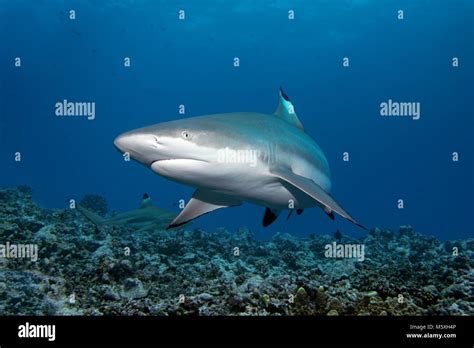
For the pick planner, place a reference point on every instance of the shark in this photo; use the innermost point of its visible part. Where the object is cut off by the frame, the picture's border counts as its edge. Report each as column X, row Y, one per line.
column 146, row 218
column 232, row 158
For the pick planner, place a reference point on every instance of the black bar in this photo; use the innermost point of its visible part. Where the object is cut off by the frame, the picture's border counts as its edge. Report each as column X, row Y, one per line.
column 240, row 330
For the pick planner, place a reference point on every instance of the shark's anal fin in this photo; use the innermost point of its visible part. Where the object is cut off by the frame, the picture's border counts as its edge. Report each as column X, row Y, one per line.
column 202, row 203
column 313, row 190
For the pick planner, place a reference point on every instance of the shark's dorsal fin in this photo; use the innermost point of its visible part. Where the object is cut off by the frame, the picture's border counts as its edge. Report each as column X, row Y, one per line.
column 146, row 201
column 286, row 110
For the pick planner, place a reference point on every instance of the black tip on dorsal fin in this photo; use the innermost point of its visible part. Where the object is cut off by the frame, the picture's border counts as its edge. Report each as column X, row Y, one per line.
column 146, row 201
column 283, row 94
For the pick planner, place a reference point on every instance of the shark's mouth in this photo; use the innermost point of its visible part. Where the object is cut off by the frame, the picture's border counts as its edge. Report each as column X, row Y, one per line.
column 175, row 168
column 164, row 160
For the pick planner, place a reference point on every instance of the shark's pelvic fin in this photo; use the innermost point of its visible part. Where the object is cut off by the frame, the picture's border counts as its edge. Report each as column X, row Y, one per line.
column 146, row 201
column 331, row 215
column 313, row 190
column 286, row 110
column 202, row 203
column 269, row 217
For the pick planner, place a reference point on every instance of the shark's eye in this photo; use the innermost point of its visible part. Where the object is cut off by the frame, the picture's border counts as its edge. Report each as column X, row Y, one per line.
column 186, row 134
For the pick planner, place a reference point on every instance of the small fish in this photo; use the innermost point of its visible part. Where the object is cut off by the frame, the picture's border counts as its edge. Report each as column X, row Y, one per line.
column 338, row 235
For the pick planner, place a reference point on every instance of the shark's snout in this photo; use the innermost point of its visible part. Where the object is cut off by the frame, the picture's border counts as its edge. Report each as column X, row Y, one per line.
column 123, row 143
column 139, row 146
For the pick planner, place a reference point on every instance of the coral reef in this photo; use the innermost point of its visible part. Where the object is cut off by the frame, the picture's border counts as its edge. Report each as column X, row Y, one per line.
column 85, row 270
column 95, row 203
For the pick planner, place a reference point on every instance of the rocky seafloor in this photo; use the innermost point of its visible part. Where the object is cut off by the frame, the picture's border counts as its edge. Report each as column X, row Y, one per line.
column 85, row 270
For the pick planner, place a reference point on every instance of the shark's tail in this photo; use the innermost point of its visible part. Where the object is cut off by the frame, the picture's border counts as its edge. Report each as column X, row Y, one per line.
column 96, row 219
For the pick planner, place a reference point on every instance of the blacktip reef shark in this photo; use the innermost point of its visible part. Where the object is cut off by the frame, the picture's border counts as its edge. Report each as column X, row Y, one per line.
column 290, row 170
column 146, row 218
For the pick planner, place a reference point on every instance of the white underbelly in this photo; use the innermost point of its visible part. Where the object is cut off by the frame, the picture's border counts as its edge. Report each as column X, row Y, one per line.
column 259, row 186
column 277, row 195
column 252, row 184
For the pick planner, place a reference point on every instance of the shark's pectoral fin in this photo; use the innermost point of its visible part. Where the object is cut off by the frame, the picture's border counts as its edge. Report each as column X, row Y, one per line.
column 269, row 217
column 202, row 203
column 313, row 190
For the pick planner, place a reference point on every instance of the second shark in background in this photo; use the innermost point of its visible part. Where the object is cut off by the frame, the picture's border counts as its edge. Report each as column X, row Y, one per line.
column 146, row 218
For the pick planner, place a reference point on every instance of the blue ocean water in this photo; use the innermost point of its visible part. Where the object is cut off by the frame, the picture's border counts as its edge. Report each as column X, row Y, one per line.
column 190, row 62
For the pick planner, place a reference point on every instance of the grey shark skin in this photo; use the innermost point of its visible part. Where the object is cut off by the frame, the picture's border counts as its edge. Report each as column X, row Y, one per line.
column 147, row 217
column 290, row 171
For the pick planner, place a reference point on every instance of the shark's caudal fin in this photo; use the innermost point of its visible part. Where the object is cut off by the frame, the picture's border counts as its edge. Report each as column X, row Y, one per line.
column 201, row 203
column 286, row 110
column 313, row 190
column 96, row 219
